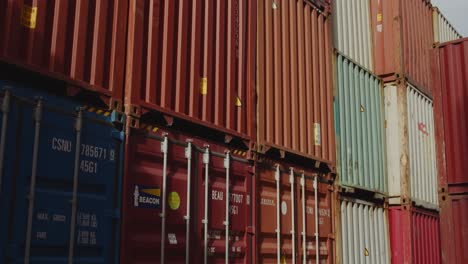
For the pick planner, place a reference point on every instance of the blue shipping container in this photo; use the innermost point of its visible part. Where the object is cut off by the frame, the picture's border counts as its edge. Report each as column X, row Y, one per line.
column 60, row 176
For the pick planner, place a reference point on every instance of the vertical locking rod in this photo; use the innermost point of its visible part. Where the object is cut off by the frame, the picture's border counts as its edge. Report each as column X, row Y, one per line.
column 32, row 187
column 164, row 148
column 78, row 127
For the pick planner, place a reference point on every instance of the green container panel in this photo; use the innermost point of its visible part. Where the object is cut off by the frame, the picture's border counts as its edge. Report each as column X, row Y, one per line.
column 359, row 126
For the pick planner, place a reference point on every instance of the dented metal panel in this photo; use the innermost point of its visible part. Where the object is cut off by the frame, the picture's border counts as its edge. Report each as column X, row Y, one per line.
column 364, row 233
column 444, row 31
column 411, row 160
column 193, row 60
column 403, row 38
column 294, row 79
column 352, row 30
column 359, row 117
column 76, row 40
column 289, row 212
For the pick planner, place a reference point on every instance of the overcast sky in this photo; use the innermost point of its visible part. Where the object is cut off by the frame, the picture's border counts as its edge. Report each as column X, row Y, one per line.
column 456, row 12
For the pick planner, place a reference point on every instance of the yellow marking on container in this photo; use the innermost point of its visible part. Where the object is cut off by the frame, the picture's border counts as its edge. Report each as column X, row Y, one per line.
column 204, row 86
column 155, row 129
column 379, row 17
column 29, row 16
column 317, row 135
column 155, row 192
column 174, row 200
column 366, row 252
column 362, row 109
column 91, row 109
column 107, row 113
column 100, row 111
column 238, row 102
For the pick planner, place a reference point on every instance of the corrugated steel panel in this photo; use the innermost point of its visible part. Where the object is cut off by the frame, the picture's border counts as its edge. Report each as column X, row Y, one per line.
column 77, row 40
column 193, row 60
column 60, row 180
column 359, row 117
column 185, row 187
column 403, row 39
column 298, row 212
column 454, row 108
column 294, row 79
column 454, row 230
column 353, row 32
column 414, row 236
column 364, row 233
column 410, row 141
column 444, row 31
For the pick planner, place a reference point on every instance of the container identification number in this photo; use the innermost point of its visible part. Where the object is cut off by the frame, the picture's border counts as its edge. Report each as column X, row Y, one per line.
column 93, row 151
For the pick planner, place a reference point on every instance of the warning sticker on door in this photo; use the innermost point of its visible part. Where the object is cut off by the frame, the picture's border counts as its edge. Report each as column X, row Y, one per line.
column 147, row 197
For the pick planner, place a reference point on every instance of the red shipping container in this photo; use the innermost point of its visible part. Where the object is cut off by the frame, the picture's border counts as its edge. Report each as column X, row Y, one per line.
column 414, row 235
column 286, row 201
column 167, row 201
column 451, row 105
column 295, row 81
column 193, row 60
column 454, row 229
column 76, row 41
column 403, row 39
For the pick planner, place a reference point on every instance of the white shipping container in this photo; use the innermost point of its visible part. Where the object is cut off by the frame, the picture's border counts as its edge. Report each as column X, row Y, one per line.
column 411, row 160
column 352, row 30
column 364, row 233
column 443, row 30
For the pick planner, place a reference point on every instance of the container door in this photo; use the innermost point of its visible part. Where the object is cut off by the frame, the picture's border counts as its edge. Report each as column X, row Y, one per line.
column 309, row 222
column 227, row 200
column 152, row 163
column 64, row 186
column 274, row 216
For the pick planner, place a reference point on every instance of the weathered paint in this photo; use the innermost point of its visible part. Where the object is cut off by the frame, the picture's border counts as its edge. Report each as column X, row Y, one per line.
column 292, row 205
column 352, row 31
column 364, row 233
column 294, row 80
column 193, row 60
column 453, row 106
column 359, row 117
column 453, row 229
column 412, row 171
column 80, row 41
column 414, row 235
column 444, row 31
column 403, row 39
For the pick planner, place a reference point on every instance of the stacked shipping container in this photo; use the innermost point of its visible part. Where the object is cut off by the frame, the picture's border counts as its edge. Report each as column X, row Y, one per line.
column 450, row 107
column 294, row 80
column 443, row 30
column 66, row 160
column 229, row 146
column 359, row 115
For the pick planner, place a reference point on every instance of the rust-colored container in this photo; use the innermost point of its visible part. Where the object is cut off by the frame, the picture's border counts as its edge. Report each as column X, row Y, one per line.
column 294, row 80
column 179, row 200
column 454, row 229
column 414, row 235
column 76, row 41
column 193, row 60
column 286, row 205
column 403, row 38
column 451, row 104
